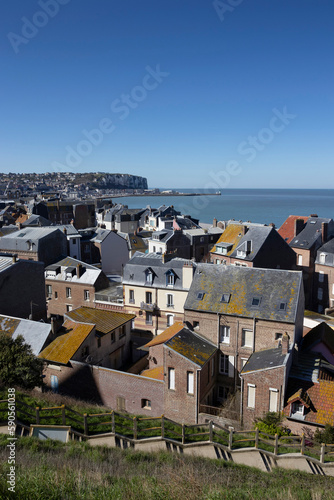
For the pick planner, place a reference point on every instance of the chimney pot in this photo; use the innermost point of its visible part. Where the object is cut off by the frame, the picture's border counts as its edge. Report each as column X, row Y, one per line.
column 285, row 343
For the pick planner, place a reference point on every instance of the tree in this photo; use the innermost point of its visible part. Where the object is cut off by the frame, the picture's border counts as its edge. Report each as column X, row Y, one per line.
column 18, row 365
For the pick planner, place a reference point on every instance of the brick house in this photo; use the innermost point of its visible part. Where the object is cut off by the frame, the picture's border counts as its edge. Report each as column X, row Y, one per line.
column 71, row 283
column 324, row 277
column 253, row 246
column 93, row 336
column 242, row 310
column 155, row 290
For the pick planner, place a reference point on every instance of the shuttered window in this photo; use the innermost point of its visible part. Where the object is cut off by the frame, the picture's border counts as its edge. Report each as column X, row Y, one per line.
column 251, row 396
column 273, row 399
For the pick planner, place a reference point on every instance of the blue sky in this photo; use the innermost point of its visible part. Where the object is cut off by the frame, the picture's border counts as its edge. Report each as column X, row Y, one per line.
column 188, row 93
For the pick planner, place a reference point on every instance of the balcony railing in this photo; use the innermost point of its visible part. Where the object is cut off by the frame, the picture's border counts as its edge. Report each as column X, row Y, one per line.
column 148, row 307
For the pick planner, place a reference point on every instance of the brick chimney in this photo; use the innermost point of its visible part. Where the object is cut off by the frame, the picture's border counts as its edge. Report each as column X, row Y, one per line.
column 324, row 231
column 79, row 270
column 299, row 226
column 214, row 223
column 285, row 343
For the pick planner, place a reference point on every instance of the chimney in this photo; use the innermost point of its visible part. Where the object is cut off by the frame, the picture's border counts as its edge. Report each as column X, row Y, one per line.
column 285, row 343
column 324, row 231
column 299, row 226
column 14, row 258
column 65, row 231
column 187, row 274
column 79, row 270
column 214, row 223
column 19, row 225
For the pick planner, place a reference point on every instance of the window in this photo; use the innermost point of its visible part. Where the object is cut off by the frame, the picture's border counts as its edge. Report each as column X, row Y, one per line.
column 98, row 342
column 321, row 277
column 333, row 289
column 146, row 404
column 148, row 296
column 74, row 240
column 225, row 334
column 278, row 336
column 49, row 291
column 282, row 306
column 171, row 379
column 322, row 258
column 247, row 338
column 122, row 331
column 149, row 277
column 273, row 399
column 170, row 300
column 224, row 364
column 190, row 382
column 149, row 318
column 68, row 293
column 120, row 403
column 225, row 298
column 256, row 301
column 153, row 249
column 299, row 260
column 68, row 307
column 86, row 294
column 243, row 362
column 320, row 293
column 251, row 396
column 56, row 295
column 217, row 261
column 297, row 410
column 112, row 337
column 131, row 296
column 170, row 278
column 222, row 393
column 200, row 295
column 85, row 351
column 170, row 319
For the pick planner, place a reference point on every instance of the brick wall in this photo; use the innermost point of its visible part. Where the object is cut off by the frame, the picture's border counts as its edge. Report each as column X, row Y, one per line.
column 105, row 386
column 59, row 305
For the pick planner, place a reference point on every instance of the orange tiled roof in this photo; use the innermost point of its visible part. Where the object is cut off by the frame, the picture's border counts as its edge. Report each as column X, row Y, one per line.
column 63, row 348
column 157, row 373
column 232, row 234
column 105, row 321
column 287, row 229
column 166, row 335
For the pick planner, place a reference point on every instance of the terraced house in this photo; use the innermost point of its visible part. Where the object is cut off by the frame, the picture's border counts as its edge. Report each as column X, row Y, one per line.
column 243, row 310
column 155, row 290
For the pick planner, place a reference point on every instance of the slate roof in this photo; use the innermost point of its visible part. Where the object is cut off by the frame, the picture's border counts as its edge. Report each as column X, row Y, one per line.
column 265, row 360
column 328, row 249
column 134, row 270
column 36, row 220
column 5, row 263
column 287, row 229
column 18, row 240
column 105, row 321
column 192, row 346
column 70, row 229
column 311, row 234
column 35, row 333
column 89, row 273
column 272, row 287
column 162, row 236
column 257, row 235
column 321, row 333
column 63, row 348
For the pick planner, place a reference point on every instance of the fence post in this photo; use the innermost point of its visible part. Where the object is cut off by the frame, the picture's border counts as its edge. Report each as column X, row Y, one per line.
column 162, row 427
column 256, row 437
column 63, row 414
column 230, row 438
column 322, row 453
column 37, row 415
column 211, row 431
column 85, row 424
column 113, row 422
column 302, row 448
column 276, row 444
column 183, row 434
column 135, row 428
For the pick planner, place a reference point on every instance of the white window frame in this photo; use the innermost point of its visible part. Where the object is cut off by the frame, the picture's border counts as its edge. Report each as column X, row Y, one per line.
column 131, row 296
column 171, row 379
column 68, row 292
column 299, row 259
column 86, row 295
column 170, row 319
column 223, row 364
column 49, row 291
column 224, row 333
column 322, row 258
column 170, row 300
column 190, row 383
column 251, row 394
column 243, row 338
column 272, row 405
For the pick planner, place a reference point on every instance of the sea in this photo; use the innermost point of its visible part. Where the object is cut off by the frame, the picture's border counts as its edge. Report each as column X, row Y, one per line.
column 263, row 206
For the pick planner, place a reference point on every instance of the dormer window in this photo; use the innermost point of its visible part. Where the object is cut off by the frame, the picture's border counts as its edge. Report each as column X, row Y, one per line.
column 170, row 278
column 322, row 258
column 148, row 277
column 244, row 249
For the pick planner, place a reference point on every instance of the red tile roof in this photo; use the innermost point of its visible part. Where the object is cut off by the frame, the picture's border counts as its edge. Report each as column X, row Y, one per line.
column 287, row 229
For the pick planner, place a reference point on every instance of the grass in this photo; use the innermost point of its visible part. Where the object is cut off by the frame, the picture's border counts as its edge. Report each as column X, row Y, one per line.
column 53, row 470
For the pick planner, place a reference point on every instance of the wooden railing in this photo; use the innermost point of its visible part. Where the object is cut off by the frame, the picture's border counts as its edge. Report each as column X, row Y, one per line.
column 86, row 425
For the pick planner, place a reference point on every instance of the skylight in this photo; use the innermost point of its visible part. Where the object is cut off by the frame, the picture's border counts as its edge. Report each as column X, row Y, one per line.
column 256, row 301
column 282, row 306
column 200, row 295
column 225, row 298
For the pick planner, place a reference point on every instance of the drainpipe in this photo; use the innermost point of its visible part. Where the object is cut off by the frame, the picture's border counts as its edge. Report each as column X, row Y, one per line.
column 236, row 358
column 197, row 397
column 241, row 400
column 254, row 324
column 218, row 330
column 156, row 321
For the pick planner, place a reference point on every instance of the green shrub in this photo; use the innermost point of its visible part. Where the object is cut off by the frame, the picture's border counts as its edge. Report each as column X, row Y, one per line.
column 271, row 424
column 326, row 435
